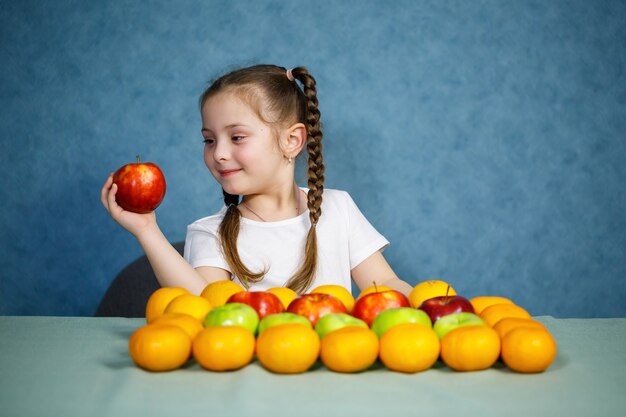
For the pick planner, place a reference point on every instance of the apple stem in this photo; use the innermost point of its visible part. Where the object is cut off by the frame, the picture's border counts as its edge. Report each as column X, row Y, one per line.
column 375, row 287
column 447, row 297
column 137, row 156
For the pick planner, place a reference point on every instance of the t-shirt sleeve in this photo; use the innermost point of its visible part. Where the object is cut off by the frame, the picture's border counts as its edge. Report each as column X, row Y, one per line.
column 364, row 239
column 202, row 247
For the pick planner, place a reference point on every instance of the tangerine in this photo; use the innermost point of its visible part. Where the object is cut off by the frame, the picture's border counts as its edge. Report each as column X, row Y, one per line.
column 160, row 299
column 349, row 349
column 484, row 301
column 190, row 325
column 507, row 324
column 497, row 312
column 193, row 305
column 286, row 295
column 470, row 348
column 223, row 348
column 409, row 348
column 218, row 292
column 159, row 347
column 528, row 350
column 288, row 348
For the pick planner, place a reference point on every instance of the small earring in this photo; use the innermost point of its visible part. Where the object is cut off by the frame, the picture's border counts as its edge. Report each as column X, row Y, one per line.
column 290, row 160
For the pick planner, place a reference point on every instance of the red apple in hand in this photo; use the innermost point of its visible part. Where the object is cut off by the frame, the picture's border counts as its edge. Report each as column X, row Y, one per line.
column 438, row 307
column 367, row 307
column 263, row 302
column 315, row 306
column 140, row 186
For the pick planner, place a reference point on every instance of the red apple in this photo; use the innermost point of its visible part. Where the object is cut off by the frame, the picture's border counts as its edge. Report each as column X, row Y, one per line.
column 263, row 302
column 315, row 306
column 140, row 186
column 438, row 307
column 367, row 307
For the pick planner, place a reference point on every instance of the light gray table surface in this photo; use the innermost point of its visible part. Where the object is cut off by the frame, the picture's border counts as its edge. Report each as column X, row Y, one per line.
column 79, row 366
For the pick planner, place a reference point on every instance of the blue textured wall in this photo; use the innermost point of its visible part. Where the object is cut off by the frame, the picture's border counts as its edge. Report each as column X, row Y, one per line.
column 485, row 139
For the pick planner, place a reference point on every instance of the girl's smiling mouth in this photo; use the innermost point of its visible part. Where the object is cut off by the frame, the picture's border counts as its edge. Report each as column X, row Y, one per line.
column 228, row 172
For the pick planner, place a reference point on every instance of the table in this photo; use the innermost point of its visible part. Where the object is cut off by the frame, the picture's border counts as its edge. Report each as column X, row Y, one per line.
column 79, row 366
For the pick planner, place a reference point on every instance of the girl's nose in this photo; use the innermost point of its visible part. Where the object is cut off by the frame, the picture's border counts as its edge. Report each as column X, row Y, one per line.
column 222, row 150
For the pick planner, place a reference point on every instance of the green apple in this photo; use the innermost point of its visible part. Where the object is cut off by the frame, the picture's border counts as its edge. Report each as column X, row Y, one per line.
column 454, row 320
column 336, row 321
column 233, row 314
column 282, row 318
column 386, row 319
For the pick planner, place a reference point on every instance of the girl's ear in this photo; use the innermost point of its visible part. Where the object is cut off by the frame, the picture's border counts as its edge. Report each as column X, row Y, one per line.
column 294, row 140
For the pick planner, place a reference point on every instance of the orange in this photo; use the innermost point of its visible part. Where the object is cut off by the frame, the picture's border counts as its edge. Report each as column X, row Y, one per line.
column 374, row 288
column 159, row 347
column 286, row 295
column 223, row 348
column 190, row 325
column 470, row 348
column 429, row 289
column 349, row 349
column 160, row 299
column 497, row 312
column 528, row 350
column 338, row 291
column 482, row 302
column 194, row 305
column 218, row 292
column 409, row 348
column 502, row 327
column 288, row 348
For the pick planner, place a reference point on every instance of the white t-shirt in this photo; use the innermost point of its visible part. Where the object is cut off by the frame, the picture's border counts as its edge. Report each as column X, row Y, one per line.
column 344, row 239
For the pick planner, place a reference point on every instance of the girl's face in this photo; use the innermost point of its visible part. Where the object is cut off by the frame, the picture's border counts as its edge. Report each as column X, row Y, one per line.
column 240, row 149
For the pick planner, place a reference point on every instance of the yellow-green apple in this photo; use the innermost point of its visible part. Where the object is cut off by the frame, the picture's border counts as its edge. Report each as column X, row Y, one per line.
column 369, row 306
column 336, row 321
column 140, row 186
column 262, row 301
column 452, row 321
column 233, row 314
column 281, row 318
column 438, row 307
column 386, row 319
column 315, row 306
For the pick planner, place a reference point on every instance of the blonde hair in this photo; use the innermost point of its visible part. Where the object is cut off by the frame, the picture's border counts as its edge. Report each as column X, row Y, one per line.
column 278, row 101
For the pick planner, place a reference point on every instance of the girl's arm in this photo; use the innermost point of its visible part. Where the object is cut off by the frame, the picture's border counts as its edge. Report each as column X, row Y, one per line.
column 170, row 268
column 376, row 270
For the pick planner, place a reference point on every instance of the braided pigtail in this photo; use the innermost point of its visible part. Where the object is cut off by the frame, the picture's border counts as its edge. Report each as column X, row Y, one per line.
column 303, row 278
column 228, row 232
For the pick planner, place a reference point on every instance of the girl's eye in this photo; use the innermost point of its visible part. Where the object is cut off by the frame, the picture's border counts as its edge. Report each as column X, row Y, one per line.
column 237, row 138
column 208, row 141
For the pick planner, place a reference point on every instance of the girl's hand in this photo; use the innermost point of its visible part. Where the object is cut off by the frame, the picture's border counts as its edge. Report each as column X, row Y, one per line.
column 170, row 268
column 135, row 223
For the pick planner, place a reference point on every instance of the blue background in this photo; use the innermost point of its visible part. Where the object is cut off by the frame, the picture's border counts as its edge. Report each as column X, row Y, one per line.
column 484, row 139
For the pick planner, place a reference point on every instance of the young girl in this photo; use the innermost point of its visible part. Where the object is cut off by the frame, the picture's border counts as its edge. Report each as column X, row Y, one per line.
column 270, row 232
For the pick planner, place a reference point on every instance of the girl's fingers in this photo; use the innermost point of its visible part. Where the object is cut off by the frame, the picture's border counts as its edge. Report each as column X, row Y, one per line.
column 112, row 204
column 104, row 193
column 108, row 197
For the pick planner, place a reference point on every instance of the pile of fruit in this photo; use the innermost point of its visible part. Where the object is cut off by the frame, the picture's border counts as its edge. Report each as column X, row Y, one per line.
column 226, row 327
